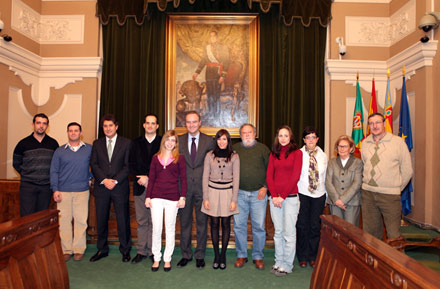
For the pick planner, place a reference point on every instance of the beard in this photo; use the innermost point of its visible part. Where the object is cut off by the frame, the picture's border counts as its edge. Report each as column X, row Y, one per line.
column 40, row 133
column 248, row 143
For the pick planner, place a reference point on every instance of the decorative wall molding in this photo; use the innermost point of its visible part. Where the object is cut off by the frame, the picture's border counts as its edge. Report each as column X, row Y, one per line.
column 417, row 56
column 46, row 72
column 47, row 29
column 381, row 31
column 350, row 1
column 68, row 0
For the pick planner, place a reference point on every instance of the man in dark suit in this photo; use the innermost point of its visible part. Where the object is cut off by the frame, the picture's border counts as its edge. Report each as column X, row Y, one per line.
column 193, row 145
column 143, row 149
column 110, row 167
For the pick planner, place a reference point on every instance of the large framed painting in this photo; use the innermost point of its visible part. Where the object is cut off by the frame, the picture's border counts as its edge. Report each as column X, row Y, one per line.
column 212, row 68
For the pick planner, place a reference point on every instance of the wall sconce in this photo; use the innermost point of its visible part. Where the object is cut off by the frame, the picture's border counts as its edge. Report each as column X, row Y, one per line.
column 5, row 37
column 342, row 47
column 428, row 22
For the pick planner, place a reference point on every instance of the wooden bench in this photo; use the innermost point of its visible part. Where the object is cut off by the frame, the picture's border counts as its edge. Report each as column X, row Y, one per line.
column 30, row 253
column 348, row 257
column 10, row 209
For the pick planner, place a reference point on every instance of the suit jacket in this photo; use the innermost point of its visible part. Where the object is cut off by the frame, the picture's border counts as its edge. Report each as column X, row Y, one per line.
column 194, row 171
column 140, row 160
column 117, row 168
column 344, row 183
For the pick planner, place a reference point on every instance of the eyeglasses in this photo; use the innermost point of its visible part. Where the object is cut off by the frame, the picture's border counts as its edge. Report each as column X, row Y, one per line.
column 343, row 147
column 375, row 123
column 310, row 137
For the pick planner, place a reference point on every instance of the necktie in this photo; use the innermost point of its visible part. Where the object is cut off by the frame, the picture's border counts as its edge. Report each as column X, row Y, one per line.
column 109, row 150
column 193, row 150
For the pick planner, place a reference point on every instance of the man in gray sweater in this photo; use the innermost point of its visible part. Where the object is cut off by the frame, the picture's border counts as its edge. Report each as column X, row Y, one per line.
column 252, row 196
column 387, row 170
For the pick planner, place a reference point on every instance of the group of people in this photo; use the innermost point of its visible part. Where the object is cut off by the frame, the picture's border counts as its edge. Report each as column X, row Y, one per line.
column 174, row 174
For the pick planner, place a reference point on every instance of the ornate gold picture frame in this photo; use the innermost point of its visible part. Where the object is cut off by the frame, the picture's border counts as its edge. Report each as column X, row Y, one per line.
column 212, row 68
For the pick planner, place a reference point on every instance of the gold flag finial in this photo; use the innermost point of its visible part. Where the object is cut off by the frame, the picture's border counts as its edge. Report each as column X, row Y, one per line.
column 403, row 70
column 357, row 75
column 388, row 73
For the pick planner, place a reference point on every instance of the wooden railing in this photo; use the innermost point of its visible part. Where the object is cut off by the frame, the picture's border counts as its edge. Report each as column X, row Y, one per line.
column 349, row 258
column 30, row 253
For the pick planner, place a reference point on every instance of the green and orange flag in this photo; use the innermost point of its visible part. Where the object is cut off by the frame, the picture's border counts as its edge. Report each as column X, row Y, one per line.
column 357, row 132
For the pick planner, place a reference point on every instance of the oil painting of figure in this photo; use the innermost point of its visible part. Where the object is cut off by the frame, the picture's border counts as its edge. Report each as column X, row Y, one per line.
column 212, row 73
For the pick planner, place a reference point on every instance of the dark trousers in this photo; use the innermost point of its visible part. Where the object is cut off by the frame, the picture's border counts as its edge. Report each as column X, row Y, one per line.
column 308, row 227
column 186, row 219
column 34, row 198
column 103, row 197
column 213, row 90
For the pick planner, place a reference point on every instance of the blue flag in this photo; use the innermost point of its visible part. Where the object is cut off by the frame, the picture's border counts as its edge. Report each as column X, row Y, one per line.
column 406, row 134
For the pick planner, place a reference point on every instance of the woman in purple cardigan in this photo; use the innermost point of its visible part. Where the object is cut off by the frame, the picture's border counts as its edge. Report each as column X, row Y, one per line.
column 167, row 169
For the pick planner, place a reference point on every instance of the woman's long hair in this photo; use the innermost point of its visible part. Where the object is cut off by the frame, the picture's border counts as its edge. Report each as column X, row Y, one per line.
column 175, row 151
column 276, row 147
column 229, row 150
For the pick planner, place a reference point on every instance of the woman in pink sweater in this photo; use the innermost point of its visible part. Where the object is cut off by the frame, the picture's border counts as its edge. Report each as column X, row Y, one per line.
column 283, row 173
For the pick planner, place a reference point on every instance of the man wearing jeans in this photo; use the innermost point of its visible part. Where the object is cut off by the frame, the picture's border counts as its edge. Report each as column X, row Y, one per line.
column 32, row 157
column 252, row 198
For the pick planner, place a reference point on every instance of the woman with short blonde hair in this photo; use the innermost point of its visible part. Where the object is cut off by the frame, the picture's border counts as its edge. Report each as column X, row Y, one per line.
column 343, row 182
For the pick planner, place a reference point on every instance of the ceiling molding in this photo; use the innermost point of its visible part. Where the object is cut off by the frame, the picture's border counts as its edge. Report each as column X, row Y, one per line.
column 44, row 73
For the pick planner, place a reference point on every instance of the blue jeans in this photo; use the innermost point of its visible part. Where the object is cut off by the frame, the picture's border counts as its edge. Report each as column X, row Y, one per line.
column 248, row 203
column 284, row 221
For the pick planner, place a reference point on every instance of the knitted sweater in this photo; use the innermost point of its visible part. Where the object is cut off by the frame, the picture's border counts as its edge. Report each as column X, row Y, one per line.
column 32, row 159
column 164, row 182
column 389, row 170
column 253, row 165
column 283, row 174
column 69, row 171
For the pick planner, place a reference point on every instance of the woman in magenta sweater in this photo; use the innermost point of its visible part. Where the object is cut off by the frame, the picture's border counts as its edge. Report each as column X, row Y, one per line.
column 167, row 169
column 283, row 173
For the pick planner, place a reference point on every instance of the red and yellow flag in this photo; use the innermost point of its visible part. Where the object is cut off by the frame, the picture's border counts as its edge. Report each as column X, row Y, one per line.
column 373, row 105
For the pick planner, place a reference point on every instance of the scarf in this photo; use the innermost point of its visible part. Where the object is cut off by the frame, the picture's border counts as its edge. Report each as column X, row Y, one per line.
column 313, row 171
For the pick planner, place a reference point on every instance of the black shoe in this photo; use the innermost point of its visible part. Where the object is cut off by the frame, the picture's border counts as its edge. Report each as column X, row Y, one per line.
column 223, row 263
column 167, row 269
column 138, row 258
column 200, row 263
column 216, row 263
column 183, row 262
column 126, row 257
column 155, row 269
column 99, row 255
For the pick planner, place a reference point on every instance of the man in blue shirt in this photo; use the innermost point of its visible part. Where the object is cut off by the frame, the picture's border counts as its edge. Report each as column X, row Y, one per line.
column 69, row 180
